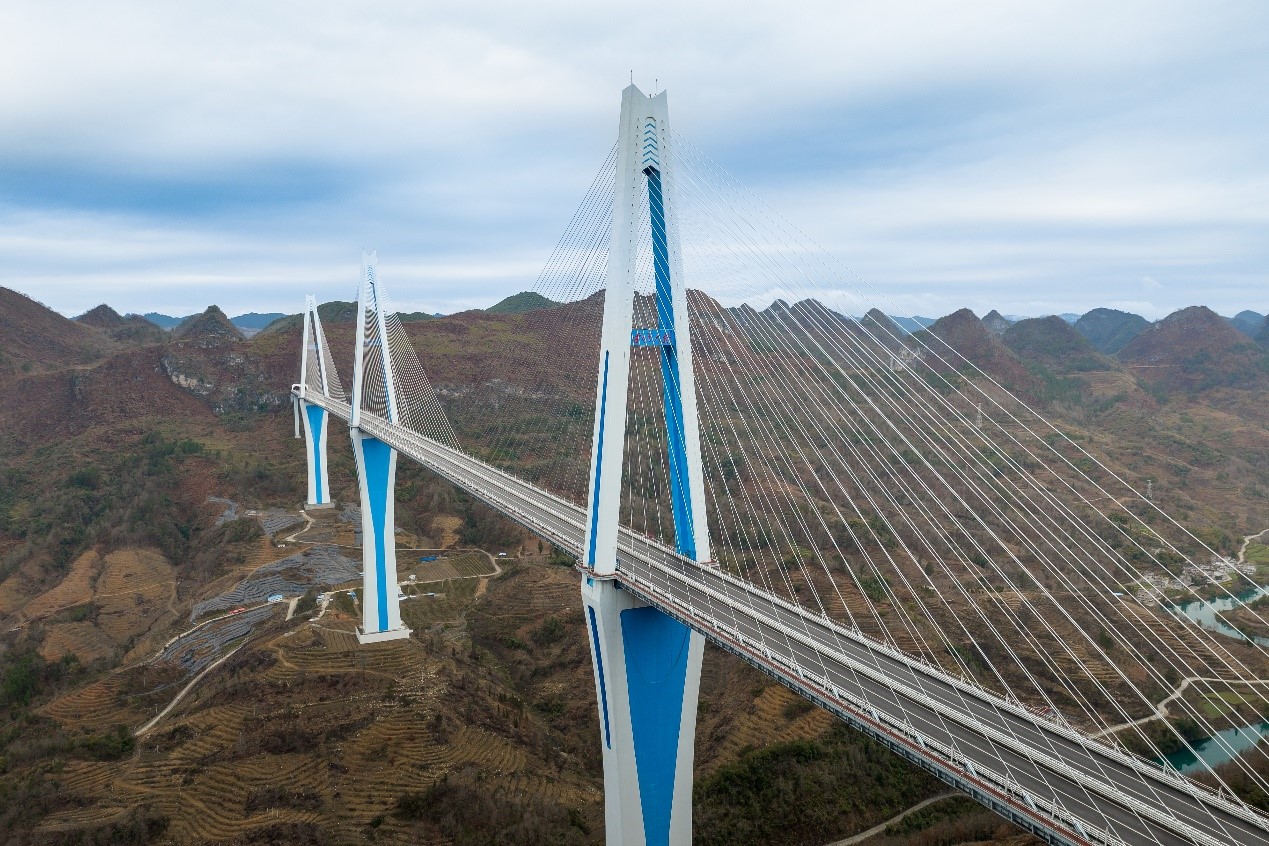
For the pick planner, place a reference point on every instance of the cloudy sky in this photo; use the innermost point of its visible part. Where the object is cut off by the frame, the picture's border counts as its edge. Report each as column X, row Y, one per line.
column 1035, row 157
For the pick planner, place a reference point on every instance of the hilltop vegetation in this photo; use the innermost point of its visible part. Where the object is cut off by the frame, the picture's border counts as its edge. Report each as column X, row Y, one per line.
column 1109, row 330
column 996, row 323
column 1248, row 322
column 336, row 311
column 345, row 312
column 520, row 303
column 1195, row 350
column 1052, row 343
column 37, row 339
column 129, row 330
column 211, row 328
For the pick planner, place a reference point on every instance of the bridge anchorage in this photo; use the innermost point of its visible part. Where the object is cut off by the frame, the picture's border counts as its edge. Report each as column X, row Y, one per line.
column 649, row 606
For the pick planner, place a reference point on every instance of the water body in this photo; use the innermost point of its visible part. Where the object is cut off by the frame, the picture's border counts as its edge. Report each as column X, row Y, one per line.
column 1217, row 750
column 1232, row 741
column 1204, row 612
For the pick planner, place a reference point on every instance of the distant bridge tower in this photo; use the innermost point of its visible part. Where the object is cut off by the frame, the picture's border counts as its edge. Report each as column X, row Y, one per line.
column 374, row 389
column 316, row 375
column 647, row 665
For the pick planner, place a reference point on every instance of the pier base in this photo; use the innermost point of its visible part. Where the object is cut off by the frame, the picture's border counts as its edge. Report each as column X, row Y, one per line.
column 647, row 680
column 376, row 476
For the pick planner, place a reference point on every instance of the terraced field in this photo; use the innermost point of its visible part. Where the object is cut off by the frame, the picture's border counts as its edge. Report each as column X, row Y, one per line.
column 81, row 639
column 96, row 705
column 776, row 715
column 305, row 733
column 307, row 727
column 100, row 607
column 453, row 565
column 76, row 588
column 304, row 727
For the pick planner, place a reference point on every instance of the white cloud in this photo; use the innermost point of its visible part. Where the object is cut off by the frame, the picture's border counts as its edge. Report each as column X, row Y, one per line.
column 989, row 154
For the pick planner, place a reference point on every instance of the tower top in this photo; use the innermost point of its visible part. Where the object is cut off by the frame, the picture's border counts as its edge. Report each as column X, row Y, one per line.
column 631, row 91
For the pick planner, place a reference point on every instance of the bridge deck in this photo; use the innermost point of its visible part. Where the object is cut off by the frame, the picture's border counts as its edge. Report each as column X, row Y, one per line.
column 1059, row 783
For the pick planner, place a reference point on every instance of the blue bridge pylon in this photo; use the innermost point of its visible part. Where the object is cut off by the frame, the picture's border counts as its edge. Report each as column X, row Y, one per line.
column 318, row 375
column 647, row 664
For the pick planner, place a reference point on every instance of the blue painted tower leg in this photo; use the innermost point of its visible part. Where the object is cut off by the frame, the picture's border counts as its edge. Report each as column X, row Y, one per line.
column 314, row 421
column 647, row 673
column 376, row 475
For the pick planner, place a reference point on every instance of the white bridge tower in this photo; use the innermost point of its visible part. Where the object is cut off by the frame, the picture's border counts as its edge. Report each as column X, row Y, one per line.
column 318, row 376
column 647, row 664
column 375, row 386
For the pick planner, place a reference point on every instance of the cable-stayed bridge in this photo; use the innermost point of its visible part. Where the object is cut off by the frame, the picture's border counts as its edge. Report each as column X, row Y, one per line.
column 651, row 602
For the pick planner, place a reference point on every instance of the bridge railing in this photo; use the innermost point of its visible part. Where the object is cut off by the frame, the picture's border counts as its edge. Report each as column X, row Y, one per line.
column 894, row 733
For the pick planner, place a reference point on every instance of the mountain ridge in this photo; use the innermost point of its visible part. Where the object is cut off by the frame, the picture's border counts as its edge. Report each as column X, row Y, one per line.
column 1109, row 330
column 34, row 337
column 1195, row 349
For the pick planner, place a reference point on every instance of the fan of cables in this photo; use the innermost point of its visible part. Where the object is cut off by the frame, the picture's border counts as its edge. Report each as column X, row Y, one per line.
column 394, row 386
column 885, row 480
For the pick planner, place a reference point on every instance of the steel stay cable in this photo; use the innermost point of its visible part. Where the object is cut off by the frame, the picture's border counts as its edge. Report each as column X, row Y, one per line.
column 795, row 510
column 820, row 254
column 900, row 571
column 573, row 268
column 760, row 417
column 1076, row 593
column 847, row 467
column 744, row 492
column 749, row 552
column 1000, row 739
column 1096, row 681
column 914, row 631
column 1079, row 596
column 882, row 514
column 1039, row 653
column 918, row 598
column 416, row 397
column 1001, row 705
column 1234, row 808
column 788, row 584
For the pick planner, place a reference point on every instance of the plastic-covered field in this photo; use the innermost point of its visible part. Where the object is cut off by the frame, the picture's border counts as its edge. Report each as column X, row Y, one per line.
column 314, row 567
column 195, row 650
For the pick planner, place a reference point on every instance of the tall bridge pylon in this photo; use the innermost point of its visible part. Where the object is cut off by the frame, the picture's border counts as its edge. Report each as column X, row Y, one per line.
column 317, row 374
column 647, row 664
column 389, row 390
column 375, row 390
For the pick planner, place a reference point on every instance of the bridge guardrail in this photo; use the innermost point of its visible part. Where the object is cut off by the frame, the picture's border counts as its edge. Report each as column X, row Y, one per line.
column 1134, row 762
